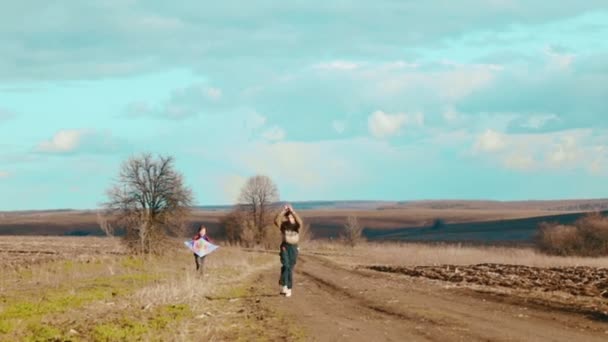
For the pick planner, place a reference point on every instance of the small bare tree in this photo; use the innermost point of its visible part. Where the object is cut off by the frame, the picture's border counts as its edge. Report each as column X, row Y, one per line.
column 256, row 198
column 105, row 225
column 353, row 231
column 149, row 202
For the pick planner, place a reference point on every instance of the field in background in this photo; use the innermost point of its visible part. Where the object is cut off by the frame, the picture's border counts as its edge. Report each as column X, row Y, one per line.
column 419, row 254
column 487, row 221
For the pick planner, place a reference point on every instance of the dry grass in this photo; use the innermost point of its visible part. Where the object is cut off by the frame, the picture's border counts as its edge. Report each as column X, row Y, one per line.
column 89, row 287
column 226, row 267
column 413, row 254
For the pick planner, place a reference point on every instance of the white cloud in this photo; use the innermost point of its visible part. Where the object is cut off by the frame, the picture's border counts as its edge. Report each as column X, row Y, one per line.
column 384, row 125
column 274, row 133
column 565, row 152
column 255, row 125
column 557, row 60
column 310, row 168
column 576, row 149
column 339, row 126
column 402, row 65
column 599, row 164
column 213, row 93
column 559, row 155
column 231, row 187
column 519, row 162
column 254, row 120
column 539, row 121
column 450, row 114
column 63, row 141
column 337, row 65
column 490, row 141
column 443, row 84
column 418, row 119
column 80, row 140
column 597, row 167
column 183, row 103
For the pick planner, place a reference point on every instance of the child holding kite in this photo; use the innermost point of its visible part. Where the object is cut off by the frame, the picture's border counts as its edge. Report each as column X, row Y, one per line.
column 200, row 261
column 289, row 222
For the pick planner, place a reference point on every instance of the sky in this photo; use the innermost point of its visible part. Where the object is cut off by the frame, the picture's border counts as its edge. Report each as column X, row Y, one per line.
column 334, row 100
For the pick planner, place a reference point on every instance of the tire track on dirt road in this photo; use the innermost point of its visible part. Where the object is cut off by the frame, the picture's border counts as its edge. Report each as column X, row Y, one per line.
column 327, row 314
column 334, row 303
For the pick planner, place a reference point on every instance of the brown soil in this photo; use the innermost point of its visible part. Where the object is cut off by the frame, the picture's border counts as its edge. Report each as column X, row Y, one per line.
column 334, row 303
column 26, row 251
column 578, row 281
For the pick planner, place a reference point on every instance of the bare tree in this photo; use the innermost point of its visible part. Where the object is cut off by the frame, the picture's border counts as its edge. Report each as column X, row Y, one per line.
column 257, row 195
column 105, row 225
column 149, row 202
column 353, row 231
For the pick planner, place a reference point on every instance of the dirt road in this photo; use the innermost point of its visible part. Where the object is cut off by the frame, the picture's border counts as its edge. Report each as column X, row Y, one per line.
column 333, row 303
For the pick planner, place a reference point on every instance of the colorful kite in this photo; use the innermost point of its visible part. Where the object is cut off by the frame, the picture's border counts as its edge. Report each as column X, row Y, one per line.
column 200, row 247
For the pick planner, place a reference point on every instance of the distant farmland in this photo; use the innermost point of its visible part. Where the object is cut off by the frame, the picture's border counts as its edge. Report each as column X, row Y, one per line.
column 424, row 221
column 517, row 231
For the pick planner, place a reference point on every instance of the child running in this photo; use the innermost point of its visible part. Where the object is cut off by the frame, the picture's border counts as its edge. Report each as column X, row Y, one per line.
column 200, row 261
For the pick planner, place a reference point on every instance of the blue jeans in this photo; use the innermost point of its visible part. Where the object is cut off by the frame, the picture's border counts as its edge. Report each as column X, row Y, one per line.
column 289, row 256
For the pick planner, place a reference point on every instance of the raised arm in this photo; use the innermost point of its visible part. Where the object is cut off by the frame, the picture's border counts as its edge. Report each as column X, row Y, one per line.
column 298, row 219
column 279, row 218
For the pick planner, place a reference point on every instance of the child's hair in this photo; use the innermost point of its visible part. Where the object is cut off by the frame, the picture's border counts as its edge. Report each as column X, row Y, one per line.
column 201, row 227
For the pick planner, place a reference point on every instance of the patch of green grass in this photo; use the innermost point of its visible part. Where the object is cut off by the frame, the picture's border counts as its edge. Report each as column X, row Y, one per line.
column 56, row 303
column 59, row 301
column 124, row 330
column 135, row 278
column 133, row 262
column 128, row 329
column 67, row 266
column 165, row 315
column 37, row 332
column 6, row 326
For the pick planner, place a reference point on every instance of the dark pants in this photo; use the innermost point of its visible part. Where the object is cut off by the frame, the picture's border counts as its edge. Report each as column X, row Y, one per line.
column 200, row 263
column 289, row 256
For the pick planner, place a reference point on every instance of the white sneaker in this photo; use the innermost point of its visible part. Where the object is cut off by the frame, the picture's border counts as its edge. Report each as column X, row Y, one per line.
column 284, row 290
column 288, row 293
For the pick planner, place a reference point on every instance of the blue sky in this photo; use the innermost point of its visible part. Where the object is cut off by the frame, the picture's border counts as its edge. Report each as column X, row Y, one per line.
column 391, row 100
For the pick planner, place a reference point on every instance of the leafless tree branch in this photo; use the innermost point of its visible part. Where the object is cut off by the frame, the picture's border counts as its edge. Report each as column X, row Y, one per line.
column 149, row 201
